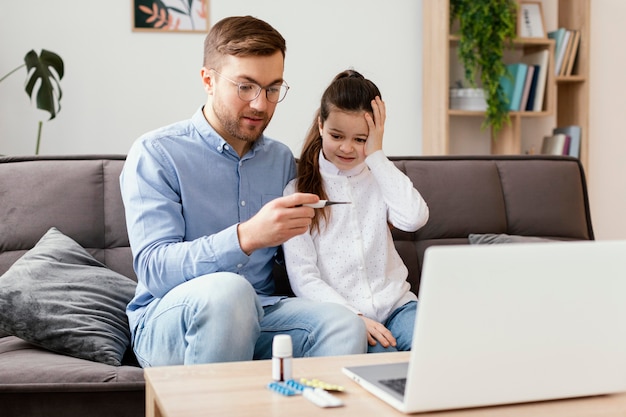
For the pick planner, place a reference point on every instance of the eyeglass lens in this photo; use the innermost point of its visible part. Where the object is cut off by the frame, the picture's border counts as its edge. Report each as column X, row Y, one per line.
column 250, row 91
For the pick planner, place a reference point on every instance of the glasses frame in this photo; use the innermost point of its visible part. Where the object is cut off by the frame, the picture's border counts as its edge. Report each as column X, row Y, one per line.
column 259, row 88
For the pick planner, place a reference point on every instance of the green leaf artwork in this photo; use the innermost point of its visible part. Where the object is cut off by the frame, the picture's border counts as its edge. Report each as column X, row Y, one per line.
column 171, row 15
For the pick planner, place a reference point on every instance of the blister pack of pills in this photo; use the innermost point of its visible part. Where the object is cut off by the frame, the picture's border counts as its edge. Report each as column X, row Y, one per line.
column 316, row 383
column 317, row 396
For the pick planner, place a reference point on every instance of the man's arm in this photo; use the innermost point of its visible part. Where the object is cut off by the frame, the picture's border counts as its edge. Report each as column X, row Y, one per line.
column 157, row 228
column 164, row 253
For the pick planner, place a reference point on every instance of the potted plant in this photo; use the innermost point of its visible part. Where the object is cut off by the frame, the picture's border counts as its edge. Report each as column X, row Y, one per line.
column 38, row 68
column 487, row 27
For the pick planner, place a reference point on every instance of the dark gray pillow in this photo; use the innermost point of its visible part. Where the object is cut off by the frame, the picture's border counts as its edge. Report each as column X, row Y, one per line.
column 57, row 296
column 491, row 238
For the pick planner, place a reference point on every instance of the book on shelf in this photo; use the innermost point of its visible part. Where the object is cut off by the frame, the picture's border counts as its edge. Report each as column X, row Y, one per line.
column 541, row 59
column 574, row 133
column 559, row 44
column 530, row 71
column 573, row 53
column 533, row 88
column 566, row 54
column 513, row 84
column 561, row 54
column 566, row 145
column 555, row 144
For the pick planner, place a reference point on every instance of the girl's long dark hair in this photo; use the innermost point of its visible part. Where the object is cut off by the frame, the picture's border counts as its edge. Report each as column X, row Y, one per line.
column 350, row 92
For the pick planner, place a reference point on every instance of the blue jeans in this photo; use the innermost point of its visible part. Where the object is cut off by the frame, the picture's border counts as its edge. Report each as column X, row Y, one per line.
column 400, row 323
column 218, row 318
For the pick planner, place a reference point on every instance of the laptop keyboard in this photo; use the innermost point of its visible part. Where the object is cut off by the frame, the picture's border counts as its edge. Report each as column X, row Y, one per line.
column 396, row 384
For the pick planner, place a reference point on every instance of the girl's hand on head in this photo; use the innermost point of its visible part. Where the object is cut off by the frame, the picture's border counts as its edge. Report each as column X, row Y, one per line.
column 376, row 126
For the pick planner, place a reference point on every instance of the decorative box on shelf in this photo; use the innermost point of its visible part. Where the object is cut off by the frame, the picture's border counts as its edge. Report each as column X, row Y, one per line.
column 471, row 99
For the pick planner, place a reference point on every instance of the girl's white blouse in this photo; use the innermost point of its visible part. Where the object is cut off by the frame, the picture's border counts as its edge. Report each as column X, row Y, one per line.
column 353, row 260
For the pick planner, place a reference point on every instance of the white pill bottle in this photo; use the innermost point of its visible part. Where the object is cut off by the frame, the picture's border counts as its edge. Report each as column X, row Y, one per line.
column 282, row 355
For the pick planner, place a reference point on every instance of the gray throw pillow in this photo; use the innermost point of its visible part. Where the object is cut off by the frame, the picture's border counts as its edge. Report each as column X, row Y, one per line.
column 492, row 238
column 57, row 296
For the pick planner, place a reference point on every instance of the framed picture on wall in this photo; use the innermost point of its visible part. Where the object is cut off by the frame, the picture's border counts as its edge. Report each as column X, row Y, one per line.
column 171, row 15
column 530, row 21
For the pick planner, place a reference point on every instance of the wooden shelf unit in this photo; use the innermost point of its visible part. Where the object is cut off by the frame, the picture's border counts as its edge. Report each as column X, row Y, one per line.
column 566, row 97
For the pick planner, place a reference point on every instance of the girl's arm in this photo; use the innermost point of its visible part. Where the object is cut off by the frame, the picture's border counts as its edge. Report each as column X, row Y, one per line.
column 406, row 209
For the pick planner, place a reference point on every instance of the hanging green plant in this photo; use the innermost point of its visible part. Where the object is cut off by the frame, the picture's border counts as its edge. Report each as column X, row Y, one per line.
column 38, row 68
column 487, row 27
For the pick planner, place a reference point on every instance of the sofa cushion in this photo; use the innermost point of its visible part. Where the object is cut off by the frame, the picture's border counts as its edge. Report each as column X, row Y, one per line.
column 78, row 194
column 40, row 369
column 57, row 296
column 494, row 238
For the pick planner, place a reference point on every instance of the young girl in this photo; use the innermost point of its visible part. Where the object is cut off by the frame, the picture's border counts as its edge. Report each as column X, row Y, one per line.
column 348, row 255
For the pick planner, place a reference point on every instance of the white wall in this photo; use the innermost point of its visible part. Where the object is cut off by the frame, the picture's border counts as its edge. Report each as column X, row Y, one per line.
column 119, row 84
column 607, row 153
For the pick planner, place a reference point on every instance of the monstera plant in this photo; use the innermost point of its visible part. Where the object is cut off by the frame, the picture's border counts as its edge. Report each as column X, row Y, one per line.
column 39, row 69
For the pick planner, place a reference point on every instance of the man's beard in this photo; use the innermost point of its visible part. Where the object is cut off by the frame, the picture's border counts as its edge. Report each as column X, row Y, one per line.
column 232, row 125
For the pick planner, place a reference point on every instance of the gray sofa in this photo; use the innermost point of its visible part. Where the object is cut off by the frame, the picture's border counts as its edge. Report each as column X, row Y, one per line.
column 492, row 197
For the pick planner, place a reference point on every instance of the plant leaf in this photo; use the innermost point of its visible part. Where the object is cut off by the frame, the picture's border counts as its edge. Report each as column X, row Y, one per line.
column 39, row 69
column 177, row 10
column 486, row 29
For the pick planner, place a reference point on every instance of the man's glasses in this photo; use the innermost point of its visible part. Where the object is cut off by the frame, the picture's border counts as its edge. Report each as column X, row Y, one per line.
column 274, row 93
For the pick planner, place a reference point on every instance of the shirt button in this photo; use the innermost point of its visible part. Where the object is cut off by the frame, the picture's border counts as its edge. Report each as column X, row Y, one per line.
column 243, row 203
column 239, row 266
column 226, row 147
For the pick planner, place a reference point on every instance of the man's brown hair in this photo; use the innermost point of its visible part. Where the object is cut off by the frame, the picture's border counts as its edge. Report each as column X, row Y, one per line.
column 241, row 36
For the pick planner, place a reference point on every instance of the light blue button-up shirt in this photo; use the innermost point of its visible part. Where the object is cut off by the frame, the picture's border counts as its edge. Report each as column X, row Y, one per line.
column 185, row 190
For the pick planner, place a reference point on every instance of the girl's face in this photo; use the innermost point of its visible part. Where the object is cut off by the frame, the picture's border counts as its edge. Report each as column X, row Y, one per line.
column 343, row 138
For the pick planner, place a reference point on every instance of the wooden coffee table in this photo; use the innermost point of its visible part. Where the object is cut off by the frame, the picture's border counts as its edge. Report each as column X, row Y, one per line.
column 240, row 389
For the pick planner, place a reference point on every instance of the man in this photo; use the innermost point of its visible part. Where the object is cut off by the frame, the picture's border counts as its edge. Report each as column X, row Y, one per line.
column 205, row 214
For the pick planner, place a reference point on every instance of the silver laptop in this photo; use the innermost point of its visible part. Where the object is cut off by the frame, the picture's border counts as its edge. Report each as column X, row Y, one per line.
column 512, row 323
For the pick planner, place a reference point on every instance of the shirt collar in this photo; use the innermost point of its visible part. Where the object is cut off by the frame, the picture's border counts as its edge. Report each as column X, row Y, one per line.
column 328, row 167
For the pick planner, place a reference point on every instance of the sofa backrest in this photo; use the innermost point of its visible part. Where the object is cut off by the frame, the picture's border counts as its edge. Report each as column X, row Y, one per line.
column 543, row 196
column 79, row 195
column 528, row 195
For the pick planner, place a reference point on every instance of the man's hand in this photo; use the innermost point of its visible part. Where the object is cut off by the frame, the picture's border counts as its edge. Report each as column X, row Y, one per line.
column 376, row 332
column 276, row 222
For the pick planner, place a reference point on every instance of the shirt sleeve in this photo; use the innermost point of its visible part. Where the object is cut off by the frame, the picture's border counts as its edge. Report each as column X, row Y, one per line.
column 407, row 210
column 156, row 226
